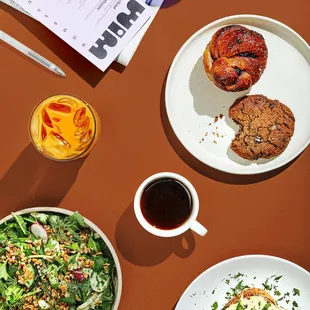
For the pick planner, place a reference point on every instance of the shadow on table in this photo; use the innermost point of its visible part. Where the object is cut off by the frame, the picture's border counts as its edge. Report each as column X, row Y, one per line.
column 34, row 180
column 202, row 168
column 144, row 249
column 175, row 306
column 84, row 68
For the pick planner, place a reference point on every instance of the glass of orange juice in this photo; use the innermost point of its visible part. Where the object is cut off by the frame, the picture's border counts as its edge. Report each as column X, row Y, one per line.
column 64, row 127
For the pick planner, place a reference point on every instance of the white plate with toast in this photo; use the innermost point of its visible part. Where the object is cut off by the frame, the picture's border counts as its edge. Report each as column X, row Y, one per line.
column 211, row 287
column 193, row 102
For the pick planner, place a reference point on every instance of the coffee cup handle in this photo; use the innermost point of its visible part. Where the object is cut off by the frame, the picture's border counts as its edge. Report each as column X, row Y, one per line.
column 199, row 229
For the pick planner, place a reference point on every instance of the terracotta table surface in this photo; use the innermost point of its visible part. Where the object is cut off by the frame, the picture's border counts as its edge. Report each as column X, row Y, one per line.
column 262, row 214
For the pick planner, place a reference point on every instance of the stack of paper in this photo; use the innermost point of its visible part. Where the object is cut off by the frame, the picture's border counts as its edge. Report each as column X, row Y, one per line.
column 102, row 31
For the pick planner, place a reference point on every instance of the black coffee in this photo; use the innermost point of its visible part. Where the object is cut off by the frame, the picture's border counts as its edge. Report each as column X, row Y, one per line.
column 166, row 203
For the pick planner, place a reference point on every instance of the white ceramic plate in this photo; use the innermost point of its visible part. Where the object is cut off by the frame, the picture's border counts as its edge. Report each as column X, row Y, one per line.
column 192, row 101
column 118, row 291
column 256, row 268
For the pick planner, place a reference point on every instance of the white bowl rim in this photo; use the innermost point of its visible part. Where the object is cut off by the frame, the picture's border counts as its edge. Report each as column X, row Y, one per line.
column 94, row 227
column 240, row 18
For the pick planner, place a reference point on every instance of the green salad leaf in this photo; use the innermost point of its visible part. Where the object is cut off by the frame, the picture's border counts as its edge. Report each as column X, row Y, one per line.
column 98, row 265
column 68, row 300
column 2, row 289
column 41, row 217
column 76, row 217
column 92, row 244
column 3, row 236
column 54, row 220
column 14, row 295
column 20, row 221
column 74, row 246
column 107, row 306
column 12, row 270
column 80, row 289
column 3, row 273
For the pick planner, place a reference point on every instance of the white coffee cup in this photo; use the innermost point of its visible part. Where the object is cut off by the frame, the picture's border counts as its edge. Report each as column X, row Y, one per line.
column 190, row 223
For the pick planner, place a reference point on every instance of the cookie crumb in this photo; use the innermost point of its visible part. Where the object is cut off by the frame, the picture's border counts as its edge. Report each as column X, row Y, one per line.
column 214, row 142
column 209, row 124
column 221, row 116
column 216, row 119
column 206, row 134
column 213, row 133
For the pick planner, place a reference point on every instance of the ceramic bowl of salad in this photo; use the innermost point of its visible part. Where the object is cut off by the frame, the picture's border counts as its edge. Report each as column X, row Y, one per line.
column 52, row 258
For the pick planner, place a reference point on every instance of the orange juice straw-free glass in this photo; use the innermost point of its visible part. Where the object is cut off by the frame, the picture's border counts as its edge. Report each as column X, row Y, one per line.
column 64, row 127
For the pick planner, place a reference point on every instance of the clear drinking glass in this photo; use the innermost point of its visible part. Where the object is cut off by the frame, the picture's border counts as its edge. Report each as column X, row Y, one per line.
column 64, row 127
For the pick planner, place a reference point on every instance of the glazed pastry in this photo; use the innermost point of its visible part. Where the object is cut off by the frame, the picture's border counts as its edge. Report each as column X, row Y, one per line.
column 235, row 58
column 266, row 127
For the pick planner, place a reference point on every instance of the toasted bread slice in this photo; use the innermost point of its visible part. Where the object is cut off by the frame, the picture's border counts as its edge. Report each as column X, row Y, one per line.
column 247, row 293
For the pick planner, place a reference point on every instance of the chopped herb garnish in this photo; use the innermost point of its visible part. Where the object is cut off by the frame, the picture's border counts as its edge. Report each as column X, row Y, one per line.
column 237, row 289
column 228, row 295
column 296, row 292
column 227, row 281
column 266, row 286
column 238, row 275
column 215, row 306
column 213, row 292
column 295, row 304
column 240, row 306
column 240, row 286
column 287, row 294
column 278, row 278
column 277, row 293
column 267, row 306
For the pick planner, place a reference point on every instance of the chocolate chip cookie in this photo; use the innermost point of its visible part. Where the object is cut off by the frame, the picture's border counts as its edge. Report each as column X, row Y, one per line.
column 266, row 127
